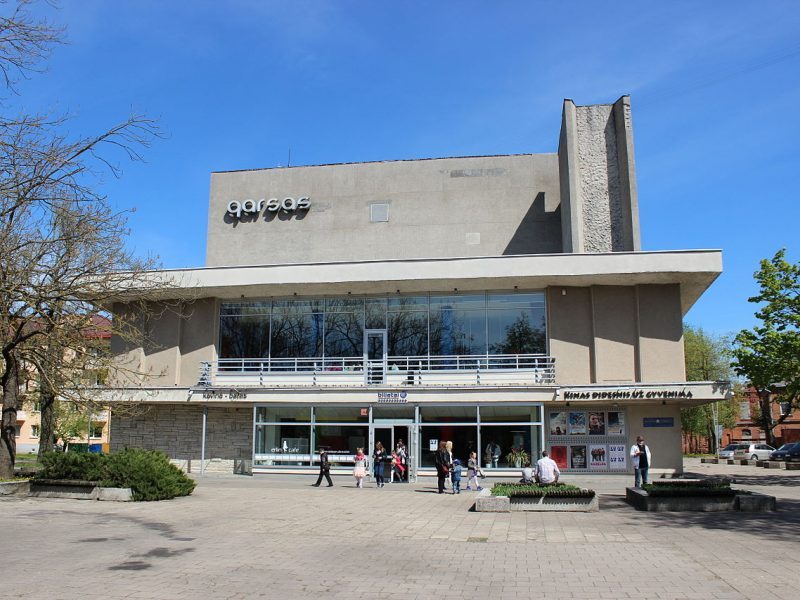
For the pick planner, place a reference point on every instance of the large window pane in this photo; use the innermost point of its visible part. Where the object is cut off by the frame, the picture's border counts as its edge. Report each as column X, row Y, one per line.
column 516, row 331
column 509, row 414
column 462, row 302
column 296, row 334
column 244, row 336
column 407, row 333
column 342, row 440
column 393, row 411
column 344, row 334
column 258, row 307
column 506, row 437
column 442, row 414
column 457, row 331
column 283, row 414
column 396, row 303
column 344, row 304
column 283, row 445
column 524, row 300
column 376, row 313
column 341, row 414
column 464, row 440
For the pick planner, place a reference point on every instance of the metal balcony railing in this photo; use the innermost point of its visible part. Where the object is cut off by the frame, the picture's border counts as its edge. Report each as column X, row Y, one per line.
column 490, row 370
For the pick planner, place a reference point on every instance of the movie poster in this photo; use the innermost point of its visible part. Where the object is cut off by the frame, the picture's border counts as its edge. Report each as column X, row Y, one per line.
column 598, row 457
column 597, row 423
column 577, row 457
column 558, row 423
column 616, row 423
column 559, row 455
column 577, row 423
column 616, row 457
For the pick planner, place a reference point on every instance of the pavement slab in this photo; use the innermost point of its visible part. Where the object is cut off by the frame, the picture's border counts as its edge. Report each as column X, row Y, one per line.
column 275, row 536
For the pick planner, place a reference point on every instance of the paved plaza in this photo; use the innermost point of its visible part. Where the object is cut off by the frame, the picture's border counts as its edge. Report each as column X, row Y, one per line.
column 278, row 537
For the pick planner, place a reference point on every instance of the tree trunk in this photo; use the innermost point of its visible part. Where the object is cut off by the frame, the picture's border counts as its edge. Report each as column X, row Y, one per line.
column 766, row 417
column 8, row 438
column 47, row 412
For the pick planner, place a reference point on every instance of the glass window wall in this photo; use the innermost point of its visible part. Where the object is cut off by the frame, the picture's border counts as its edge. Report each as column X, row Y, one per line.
column 422, row 326
column 286, row 436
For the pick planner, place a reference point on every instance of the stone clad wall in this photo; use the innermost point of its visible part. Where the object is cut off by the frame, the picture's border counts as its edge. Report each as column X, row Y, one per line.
column 177, row 431
column 599, row 187
column 599, row 202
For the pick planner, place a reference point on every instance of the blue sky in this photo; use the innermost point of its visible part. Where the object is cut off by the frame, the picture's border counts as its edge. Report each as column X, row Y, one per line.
column 714, row 87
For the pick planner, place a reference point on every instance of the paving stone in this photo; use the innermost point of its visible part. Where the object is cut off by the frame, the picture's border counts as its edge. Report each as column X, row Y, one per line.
column 275, row 536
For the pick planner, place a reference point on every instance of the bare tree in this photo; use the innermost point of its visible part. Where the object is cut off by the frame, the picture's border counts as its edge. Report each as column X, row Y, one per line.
column 63, row 256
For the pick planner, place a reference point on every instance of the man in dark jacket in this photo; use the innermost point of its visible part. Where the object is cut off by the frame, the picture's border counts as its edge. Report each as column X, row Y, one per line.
column 324, row 468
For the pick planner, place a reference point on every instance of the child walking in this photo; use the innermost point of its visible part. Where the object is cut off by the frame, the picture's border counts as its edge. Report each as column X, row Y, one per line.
column 456, row 476
column 472, row 471
column 360, row 470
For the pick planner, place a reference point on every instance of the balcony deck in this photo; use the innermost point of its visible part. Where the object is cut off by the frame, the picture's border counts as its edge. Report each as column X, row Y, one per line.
column 421, row 371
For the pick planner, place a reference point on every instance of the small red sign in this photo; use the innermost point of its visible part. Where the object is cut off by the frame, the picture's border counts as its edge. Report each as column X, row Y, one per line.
column 364, row 412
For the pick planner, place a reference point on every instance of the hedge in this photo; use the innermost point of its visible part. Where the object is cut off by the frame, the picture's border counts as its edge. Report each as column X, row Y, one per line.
column 533, row 490
column 684, row 489
column 148, row 473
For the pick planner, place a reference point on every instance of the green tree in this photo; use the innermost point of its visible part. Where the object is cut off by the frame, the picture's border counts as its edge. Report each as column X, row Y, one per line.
column 768, row 356
column 707, row 358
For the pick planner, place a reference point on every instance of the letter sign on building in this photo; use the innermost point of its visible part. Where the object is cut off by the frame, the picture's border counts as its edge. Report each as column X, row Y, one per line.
column 238, row 208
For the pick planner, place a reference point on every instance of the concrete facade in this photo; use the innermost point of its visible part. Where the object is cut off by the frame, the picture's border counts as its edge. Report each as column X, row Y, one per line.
column 563, row 224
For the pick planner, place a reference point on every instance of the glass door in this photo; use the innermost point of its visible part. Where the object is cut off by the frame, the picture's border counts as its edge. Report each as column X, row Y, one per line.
column 375, row 356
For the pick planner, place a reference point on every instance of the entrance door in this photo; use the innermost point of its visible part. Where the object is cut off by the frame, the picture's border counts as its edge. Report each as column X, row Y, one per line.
column 375, row 356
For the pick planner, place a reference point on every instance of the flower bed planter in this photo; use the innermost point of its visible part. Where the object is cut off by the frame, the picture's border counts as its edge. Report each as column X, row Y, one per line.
column 15, row 488
column 752, row 502
column 77, row 490
column 64, row 488
column 580, row 501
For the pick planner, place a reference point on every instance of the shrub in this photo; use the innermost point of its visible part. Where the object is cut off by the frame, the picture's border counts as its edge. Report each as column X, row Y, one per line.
column 690, row 488
column 149, row 474
column 71, row 465
column 533, row 490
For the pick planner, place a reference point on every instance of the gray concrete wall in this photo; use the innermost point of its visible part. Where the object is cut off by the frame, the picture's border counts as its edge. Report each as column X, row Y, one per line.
column 453, row 207
column 615, row 333
column 176, row 430
column 198, row 335
column 664, row 442
column 661, row 356
column 162, row 354
column 570, row 332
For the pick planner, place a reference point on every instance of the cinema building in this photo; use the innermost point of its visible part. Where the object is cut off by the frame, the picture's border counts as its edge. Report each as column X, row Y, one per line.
column 497, row 302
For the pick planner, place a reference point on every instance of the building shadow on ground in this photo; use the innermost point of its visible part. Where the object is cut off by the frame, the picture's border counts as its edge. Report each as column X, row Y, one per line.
column 781, row 525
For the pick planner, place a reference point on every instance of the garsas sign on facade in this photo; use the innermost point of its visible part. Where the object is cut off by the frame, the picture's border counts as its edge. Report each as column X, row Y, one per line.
column 237, row 208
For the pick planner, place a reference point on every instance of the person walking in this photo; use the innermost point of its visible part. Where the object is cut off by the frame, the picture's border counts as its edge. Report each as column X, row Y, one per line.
column 402, row 457
column 360, row 468
column 472, row 472
column 378, row 458
column 324, row 468
column 442, row 463
column 641, row 459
